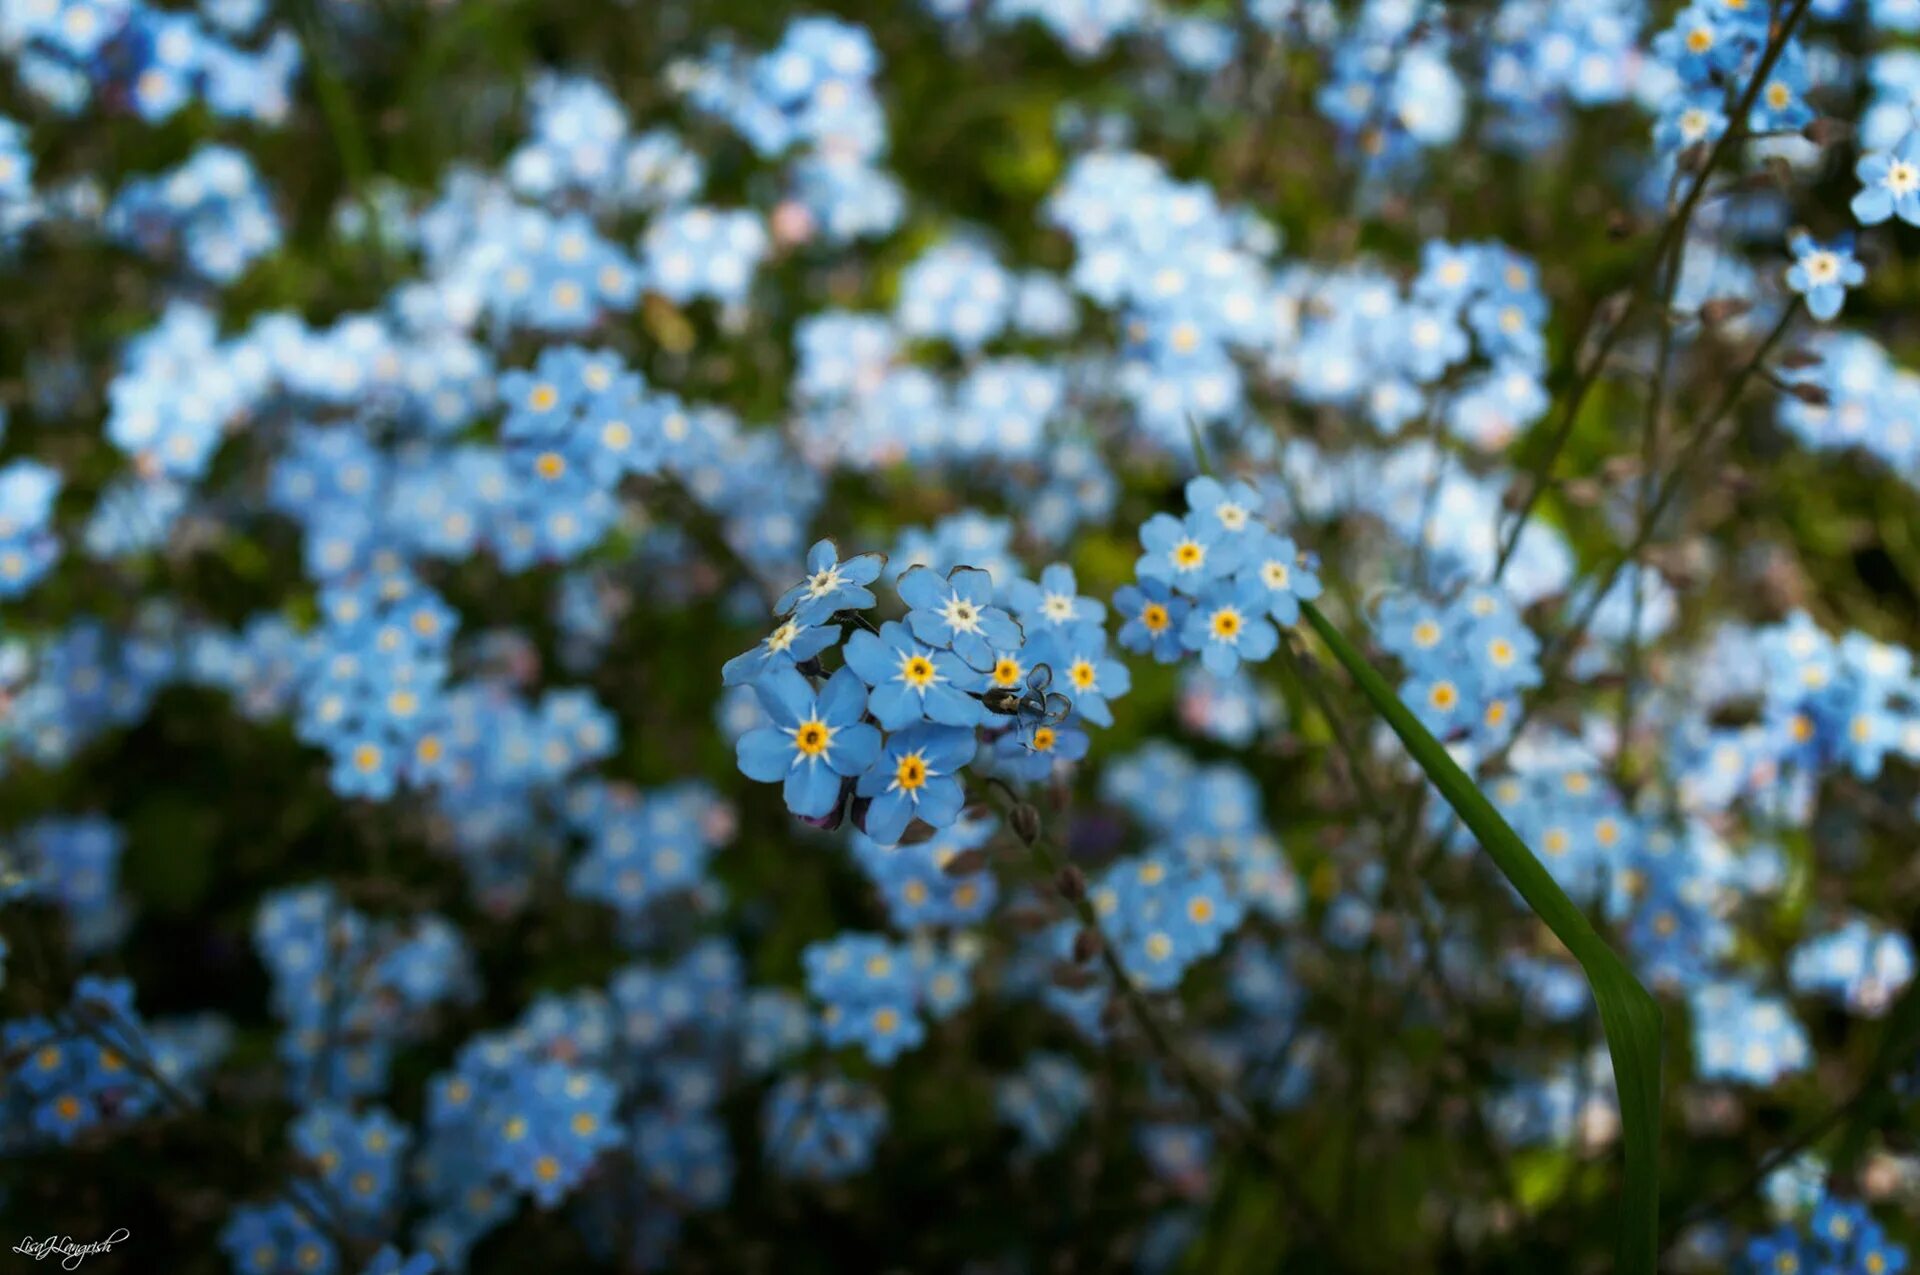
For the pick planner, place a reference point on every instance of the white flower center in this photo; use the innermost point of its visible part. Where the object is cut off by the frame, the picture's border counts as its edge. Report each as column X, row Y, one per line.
column 961, row 615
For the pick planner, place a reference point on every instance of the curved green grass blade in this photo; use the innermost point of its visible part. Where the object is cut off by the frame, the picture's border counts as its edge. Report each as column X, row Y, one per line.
column 1628, row 1013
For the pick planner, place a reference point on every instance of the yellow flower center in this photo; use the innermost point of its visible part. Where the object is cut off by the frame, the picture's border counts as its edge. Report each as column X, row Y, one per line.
column 1189, row 554
column 812, row 738
column 1043, row 738
column 1082, row 674
column 550, row 465
column 1200, row 909
column 543, row 397
column 917, row 670
column 1443, row 696
column 911, row 772
column 1154, row 617
column 1006, row 671
column 1226, row 624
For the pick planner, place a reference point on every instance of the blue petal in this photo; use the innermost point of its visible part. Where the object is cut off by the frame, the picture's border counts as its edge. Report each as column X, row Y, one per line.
column 973, row 584
column 921, row 588
column 941, row 801
column 888, row 816
column 812, row 790
column 871, row 658
column 854, row 748
column 929, row 627
column 864, row 569
column 765, row 754
column 844, row 698
column 895, row 704
column 785, row 694
column 743, row 667
column 950, row 706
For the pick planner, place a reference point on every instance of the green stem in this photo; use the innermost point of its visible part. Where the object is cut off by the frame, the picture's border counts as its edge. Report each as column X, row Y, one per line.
column 1628, row 1013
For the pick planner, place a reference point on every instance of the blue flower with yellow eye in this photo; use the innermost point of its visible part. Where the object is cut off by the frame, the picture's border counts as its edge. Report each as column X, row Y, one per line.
column 1229, row 624
column 912, row 682
column 958, row 612
column 1033, row 754
column 916, row 776
column 816, row 740
column 831, row 585
column 1186, row 554
column 1082, row 670
column 1152, row 615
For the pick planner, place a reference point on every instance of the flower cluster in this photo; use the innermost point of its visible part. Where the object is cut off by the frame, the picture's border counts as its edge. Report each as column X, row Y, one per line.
column 212, row 211
column 1468, row 663
column 1840, row 1236
column 1215, row 582
column 893, row 729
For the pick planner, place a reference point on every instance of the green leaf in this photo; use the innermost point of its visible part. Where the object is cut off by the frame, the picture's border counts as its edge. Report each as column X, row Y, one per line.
column 1628, row 1013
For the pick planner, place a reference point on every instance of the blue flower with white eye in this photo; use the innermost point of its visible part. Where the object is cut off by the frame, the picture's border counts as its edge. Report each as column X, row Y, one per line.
column 1151, row 616
column 1283, row 575
column 916, row 777
column 1054, row 602
column 1889, row 184
column 1822, row 273
column 790, row 643
column 1229, row 507
column 1229, row 624
column 913, row 683
column 815, row 741
column 958, row 612
column 831, row 585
